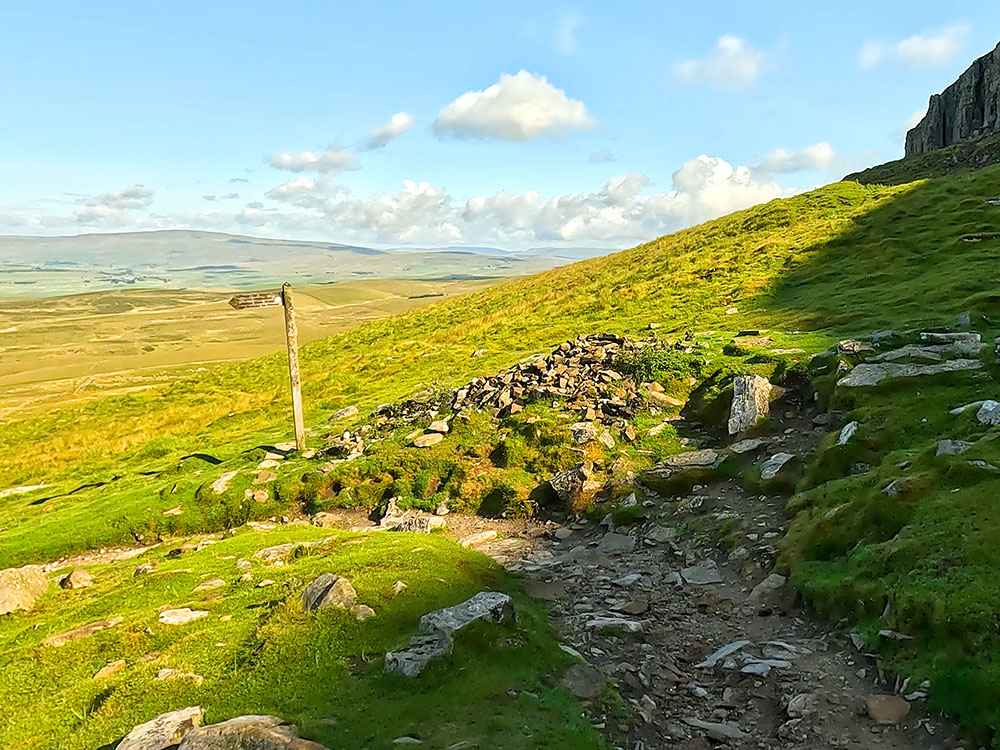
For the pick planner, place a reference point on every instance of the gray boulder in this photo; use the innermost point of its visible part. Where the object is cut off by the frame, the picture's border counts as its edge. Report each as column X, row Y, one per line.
column 775, row 465
column 329, row 590
column 437, row 631
column 869, row 374
column 951, row 447
column 989, row 413
column 163, row 732
column 751, row 402
column 21, row 587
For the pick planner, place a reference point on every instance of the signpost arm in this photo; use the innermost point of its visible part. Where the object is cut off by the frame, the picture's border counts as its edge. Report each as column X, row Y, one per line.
column 292, row 338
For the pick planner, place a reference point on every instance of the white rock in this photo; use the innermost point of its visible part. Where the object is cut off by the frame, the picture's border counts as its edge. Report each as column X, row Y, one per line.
column 751, row 402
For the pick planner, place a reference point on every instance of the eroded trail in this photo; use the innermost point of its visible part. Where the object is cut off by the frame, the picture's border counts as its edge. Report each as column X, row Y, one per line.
column 701, row 640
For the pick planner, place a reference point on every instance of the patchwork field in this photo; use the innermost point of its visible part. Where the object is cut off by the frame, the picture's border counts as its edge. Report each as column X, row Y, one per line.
column 62, row 350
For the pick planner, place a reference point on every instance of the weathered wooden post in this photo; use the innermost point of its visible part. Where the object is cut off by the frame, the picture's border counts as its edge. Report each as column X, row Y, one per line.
column 292, row 338
column 273, row 299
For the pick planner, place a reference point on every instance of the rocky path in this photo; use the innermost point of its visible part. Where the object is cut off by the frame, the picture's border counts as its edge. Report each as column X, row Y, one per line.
column 702, row 642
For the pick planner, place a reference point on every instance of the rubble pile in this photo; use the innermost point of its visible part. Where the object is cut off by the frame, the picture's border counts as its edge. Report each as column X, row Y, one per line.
column 579, row 373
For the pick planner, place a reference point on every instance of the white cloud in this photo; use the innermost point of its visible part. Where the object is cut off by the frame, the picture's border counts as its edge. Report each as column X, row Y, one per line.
column 566, row 33
column 113, row 207
column 602, row 156
column 703, row 188
column 733, row 66
column 379, row 137
column 519, row 107
column 817, row 158
column 928, row 50
column 334, row 159
column 419, row 213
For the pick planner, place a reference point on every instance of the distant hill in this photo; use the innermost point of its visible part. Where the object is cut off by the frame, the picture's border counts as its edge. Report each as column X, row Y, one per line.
column 183, row 259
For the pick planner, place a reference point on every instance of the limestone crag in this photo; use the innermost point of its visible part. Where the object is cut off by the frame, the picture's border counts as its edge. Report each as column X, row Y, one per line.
column 967, row 109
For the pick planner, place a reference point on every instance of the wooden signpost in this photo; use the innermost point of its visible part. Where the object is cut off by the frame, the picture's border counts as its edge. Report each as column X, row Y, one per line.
column 273, row 299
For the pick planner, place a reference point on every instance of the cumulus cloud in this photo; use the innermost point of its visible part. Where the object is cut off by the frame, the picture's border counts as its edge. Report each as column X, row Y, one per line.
column 379, row 137
column 566, row 33
column 335, row 159
column 899, row 134
column 113, row 207
column 602, row 156
column 226, row 197
column 817, row 158
column 732, row 66
column 518, row 107
column 419, row 213
column 703, row 188
column 927, row 50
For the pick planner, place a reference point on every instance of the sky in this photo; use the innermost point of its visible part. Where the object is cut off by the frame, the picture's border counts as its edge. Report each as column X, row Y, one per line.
column 510, row 125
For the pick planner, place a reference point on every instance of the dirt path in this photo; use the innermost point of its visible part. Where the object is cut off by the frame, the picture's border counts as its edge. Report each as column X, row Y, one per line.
column 648, row 608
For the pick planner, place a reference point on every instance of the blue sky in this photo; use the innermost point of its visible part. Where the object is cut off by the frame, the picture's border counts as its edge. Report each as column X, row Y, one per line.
column 257, row 118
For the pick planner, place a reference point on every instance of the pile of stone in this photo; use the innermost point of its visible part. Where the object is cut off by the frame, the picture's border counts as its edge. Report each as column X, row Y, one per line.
column 579, row 374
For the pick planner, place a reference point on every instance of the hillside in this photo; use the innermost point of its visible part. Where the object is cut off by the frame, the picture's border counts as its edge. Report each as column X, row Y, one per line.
column 35, row 267
column 973, row 154
column 758, row 292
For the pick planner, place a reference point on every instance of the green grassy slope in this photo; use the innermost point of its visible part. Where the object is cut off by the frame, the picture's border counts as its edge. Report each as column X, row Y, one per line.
column 827, row 260
column 258, row 651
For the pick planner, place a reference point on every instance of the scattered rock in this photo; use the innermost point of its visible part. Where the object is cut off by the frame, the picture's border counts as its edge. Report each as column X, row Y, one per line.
column 221, row 484
column 438, row 425
column 181, row 616
column 481, row 537
column 329, row 590
column 583, row 432
column 112, row 667
column 962, row 409
column 887, row 709
column 951, row 447
column 803, row 705
column 428, row 439
column 167, row 674
column 770, row 469
column 437, row 630
column 746, row 446
column 847, row 433
column 347, row 411
column 81, row 632
column 263, row 477
column 163, row 732
column 584, row 681
column 210, row 585
column 989, row 413
column 867, row 374
column 574, row 485
column 751, row 402
column 612, row 543
column 717, row 731
column 21, row 587
column 143, row 569
column 362, row 612
column 615, row 625
column 766, row 589
column 79, row 578
column 704, row 573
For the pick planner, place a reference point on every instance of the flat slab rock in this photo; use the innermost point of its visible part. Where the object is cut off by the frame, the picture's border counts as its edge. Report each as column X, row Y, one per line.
column 869, row 374
column 21, row 587
column 183, row 730
column 165, row 731
column 437, row 630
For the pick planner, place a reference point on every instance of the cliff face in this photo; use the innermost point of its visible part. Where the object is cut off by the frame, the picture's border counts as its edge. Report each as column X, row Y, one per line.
column 969, row 108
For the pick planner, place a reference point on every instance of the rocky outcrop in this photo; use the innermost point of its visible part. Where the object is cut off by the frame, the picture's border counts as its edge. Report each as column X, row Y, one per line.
column 967, row 109
column 184, row 727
